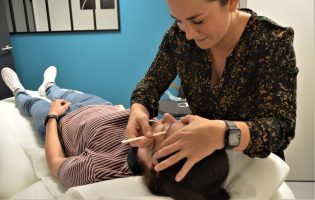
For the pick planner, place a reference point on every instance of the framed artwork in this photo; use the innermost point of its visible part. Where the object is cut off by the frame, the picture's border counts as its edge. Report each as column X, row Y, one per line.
column 29, row 16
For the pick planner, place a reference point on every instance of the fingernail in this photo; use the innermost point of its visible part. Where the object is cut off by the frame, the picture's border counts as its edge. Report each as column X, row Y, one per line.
column 154, row 161
column 155, row 155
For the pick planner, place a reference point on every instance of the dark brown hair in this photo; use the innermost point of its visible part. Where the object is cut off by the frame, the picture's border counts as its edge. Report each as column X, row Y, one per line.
column 222, row 2
column 202, row 182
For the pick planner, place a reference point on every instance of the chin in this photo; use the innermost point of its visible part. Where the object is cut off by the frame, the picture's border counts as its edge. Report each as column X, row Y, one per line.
column 204, row 44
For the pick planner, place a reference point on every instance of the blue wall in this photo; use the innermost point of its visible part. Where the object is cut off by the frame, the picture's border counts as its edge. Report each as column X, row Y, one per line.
column 108, row 64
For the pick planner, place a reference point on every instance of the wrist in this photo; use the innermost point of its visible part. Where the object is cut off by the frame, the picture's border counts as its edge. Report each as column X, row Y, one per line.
column 245, row 135
column 51, row 117
column 137, row 106
column 232, row 136
column 222, row 128
column 218, row 127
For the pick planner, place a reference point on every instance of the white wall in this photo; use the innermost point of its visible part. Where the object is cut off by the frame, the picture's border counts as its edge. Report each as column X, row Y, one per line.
column 298, row 14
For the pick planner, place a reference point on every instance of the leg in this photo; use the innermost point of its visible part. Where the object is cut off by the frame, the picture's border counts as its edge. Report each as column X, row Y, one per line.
column 49, row 79
column 33, row 107
column 28, row 106
column 11, row 79
column 77, row 99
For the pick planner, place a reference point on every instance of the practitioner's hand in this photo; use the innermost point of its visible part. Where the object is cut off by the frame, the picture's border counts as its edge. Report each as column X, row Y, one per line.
column 59, row 107
column 138, row 125
column 198, row 139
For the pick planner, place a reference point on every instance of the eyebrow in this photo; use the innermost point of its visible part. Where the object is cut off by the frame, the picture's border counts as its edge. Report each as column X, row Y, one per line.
column 189, row 18
column 152, row 121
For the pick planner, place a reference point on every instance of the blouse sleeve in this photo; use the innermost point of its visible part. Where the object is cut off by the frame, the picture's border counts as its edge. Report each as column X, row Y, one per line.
column 274, row 127
column 159, row 76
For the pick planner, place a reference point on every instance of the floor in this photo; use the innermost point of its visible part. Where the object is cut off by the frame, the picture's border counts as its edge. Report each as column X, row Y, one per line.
column 302, row 190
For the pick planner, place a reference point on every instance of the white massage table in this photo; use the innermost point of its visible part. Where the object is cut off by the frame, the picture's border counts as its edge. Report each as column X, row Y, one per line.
column 24, row 173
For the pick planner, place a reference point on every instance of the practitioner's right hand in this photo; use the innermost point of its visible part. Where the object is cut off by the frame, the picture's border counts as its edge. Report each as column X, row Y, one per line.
column 138, row 125
column 59, row 107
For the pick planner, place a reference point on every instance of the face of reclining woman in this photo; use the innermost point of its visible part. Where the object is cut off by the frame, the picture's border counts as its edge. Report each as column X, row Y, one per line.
column 202, row 182
column 167, row 123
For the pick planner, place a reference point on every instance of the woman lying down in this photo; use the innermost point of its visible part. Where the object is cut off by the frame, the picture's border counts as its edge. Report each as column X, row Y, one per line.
column 83, row 137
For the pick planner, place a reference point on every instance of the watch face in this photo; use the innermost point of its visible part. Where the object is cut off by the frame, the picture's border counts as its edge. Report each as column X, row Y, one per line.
column 234, row 137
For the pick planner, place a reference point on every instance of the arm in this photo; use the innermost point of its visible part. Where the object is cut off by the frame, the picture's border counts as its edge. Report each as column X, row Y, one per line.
column 53, row 148
column 274, row 125
column 270, row 130
column 159, row 76
column 145, row 97
column 195, row 141
column 138, row 124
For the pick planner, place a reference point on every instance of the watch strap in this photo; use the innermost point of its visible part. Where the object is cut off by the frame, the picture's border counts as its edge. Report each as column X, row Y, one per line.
column 230, row 126
column 50, row 117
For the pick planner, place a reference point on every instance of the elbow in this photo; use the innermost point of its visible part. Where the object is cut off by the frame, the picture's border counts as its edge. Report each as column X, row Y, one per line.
column 54, row 165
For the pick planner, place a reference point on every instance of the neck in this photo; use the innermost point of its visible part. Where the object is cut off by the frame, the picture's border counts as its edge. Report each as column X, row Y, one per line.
column 231, row 37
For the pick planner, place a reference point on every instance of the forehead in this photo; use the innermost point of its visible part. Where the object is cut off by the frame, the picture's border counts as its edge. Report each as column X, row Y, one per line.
column 184, row 9
column 185, row 5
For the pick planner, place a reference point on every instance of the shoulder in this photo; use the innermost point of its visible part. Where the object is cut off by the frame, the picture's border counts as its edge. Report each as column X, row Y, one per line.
column 267, row 30
column 174, row 32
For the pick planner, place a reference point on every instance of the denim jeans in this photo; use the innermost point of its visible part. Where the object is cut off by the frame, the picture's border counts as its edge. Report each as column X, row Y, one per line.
column 38, row 108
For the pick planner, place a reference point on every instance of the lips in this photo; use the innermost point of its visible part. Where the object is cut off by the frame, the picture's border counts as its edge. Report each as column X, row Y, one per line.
column 200, row 40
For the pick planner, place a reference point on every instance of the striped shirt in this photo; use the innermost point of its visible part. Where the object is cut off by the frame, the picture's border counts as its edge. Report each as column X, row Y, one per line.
column 91, row 138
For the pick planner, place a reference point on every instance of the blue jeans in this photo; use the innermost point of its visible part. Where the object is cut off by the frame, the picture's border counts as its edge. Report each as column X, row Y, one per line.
column 38, row 108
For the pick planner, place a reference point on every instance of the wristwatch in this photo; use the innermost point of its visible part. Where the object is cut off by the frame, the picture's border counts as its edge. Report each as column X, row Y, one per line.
column 49, row 117
column 232, row 137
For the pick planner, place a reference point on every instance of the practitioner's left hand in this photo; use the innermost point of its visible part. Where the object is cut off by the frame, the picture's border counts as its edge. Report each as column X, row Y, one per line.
column 195, row 141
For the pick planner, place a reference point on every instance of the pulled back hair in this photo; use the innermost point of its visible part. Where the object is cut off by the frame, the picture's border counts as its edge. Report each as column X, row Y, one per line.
column 203, row 181
column 222, row 2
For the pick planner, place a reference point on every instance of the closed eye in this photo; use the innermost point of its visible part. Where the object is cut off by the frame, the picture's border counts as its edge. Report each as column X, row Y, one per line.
column 198, row 22
column 177, row 21
column 152, row 122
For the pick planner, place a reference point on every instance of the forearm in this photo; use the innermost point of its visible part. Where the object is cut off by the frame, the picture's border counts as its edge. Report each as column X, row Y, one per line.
column 158, row 78
column 269, row 135
column 273, row 126
column 260, row 138
column 53, row 148
column 149, row 100
column 139, row 106
column 221, row 128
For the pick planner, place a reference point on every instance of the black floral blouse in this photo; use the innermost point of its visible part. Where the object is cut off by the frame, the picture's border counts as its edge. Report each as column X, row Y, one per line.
column 258, row 84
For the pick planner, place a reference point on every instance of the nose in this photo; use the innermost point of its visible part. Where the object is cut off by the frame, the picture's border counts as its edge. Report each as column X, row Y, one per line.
column 190, row 31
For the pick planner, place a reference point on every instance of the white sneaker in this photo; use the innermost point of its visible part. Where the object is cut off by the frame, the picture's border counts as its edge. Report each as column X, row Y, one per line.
column 49, row 80
column 11, row 79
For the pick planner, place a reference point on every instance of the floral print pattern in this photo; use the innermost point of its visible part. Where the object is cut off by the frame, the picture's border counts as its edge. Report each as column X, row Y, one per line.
column 258, row 84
